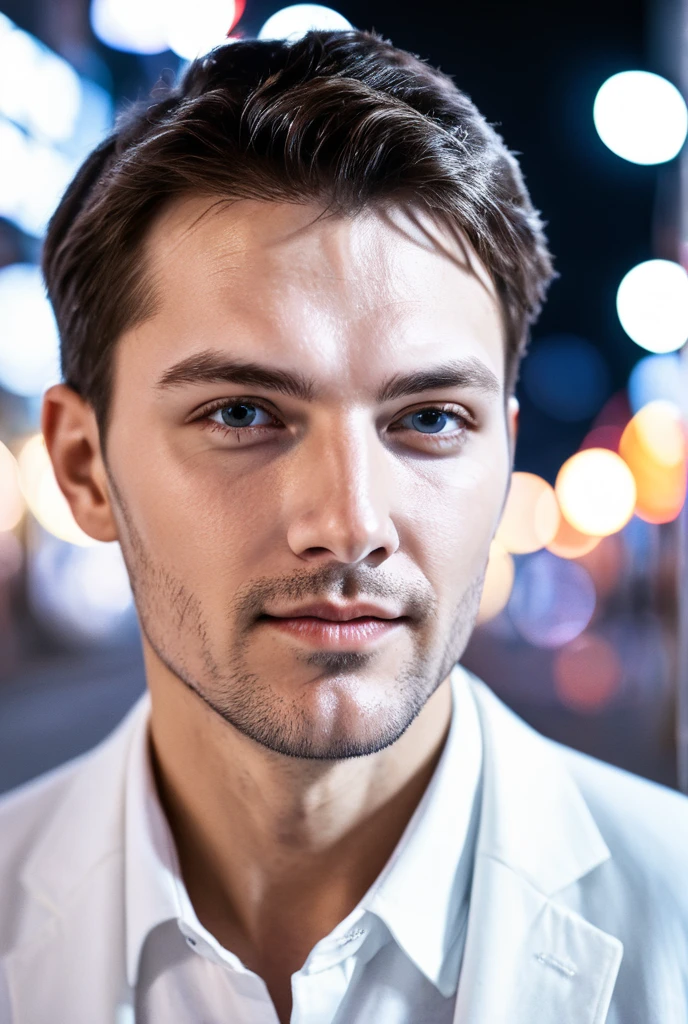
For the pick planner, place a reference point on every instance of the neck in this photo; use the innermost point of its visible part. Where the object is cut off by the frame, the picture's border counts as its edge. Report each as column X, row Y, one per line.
column 265, row 841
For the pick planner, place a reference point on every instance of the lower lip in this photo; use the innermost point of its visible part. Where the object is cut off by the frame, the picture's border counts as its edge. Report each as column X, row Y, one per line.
column 327, row 634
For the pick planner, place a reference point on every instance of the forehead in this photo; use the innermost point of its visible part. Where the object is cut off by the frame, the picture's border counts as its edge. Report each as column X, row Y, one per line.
column 293, row 280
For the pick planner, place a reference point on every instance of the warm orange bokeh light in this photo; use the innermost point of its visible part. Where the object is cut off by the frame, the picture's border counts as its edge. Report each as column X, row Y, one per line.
column 587, row 673
column 499, row 580
column 11, row 500
column 654, row 447
column 596, row 492
column 43, row 495
column 569, row 542
column 531, row 516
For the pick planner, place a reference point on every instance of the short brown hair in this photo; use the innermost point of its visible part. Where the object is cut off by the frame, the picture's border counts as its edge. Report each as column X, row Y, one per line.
column 344, row 118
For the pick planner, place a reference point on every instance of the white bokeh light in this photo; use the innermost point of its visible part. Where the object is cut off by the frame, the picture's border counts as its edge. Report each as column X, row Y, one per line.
column 14, row 149
column 29, row 346
column 38, row 89
column 135, row 26
column 652, row 303
column 194, row 28
column 50, row 119
column 33, row 177
column 641, row 117
column 291, row 23
column 82, row 593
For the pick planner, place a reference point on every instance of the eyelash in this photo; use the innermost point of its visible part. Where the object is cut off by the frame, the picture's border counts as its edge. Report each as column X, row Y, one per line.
column 437, row 439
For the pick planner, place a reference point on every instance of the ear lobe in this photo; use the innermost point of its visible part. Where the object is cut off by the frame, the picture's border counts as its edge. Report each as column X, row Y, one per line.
column 72, row 439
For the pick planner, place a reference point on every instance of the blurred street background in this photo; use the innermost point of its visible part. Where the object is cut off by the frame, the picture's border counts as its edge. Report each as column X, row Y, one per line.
column 584, row 622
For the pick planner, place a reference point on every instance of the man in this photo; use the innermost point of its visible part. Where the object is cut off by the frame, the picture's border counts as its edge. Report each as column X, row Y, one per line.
column 292, row 297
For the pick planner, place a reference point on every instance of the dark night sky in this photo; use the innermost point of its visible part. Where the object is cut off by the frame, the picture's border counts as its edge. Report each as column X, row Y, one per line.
column 533, row 67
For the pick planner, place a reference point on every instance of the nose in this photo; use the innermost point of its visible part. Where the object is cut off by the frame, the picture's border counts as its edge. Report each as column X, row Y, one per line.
column 340, row 498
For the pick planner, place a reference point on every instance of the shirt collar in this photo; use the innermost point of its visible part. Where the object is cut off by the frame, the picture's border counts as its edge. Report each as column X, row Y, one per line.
column 421, row 895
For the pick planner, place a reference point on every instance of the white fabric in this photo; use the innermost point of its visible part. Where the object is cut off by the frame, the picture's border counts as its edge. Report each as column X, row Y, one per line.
column 397, row 955
column 578, row 905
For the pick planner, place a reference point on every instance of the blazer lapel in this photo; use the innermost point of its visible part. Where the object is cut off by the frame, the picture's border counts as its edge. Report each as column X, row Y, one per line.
column 528, row 957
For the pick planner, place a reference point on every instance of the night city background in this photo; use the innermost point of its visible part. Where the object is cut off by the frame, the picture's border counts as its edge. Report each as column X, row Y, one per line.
column 584, row 623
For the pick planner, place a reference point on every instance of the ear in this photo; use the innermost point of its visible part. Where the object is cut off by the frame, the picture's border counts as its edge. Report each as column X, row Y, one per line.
column 512, row 414
column 72, row 439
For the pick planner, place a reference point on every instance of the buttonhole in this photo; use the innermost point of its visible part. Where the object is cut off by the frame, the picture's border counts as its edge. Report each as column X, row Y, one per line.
column 567, row 969
column 355, row 933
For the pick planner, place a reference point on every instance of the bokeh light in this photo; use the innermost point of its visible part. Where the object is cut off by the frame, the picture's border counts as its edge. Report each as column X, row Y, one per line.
column 531, row 515
column 134, row 26
column 587, row 674
column 609, row 424
column 38, row 89
column 652, row 304
column 603, row 437
column 568, row 542
column 194, row 28
column 292, row 22
column 566, row 377
column 654, row 447
column 499, row 580
column 641, row 117
column 552, row 601
column 11, row 499
column 43, row 495
column 29, row 345
column 596, row 491
column 616, row 411
column 81, row 593
column 656, row 377
column 33, row 176
column 50, row 119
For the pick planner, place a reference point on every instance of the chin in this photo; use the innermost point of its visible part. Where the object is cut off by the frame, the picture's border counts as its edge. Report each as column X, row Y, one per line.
column 343, row 717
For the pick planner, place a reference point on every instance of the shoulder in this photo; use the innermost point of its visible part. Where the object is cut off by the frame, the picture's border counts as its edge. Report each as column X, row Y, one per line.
column 26, row 811
column 639, row 820
column 26, row 814
column 643, row 825
column 639, row 894
column 57, row 827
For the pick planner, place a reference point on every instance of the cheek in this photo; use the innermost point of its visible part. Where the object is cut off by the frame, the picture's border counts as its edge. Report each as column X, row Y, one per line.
column 450, row 514
column 193, row 517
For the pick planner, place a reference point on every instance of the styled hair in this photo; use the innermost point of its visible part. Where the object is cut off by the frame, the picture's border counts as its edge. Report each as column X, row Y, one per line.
column 341, row 118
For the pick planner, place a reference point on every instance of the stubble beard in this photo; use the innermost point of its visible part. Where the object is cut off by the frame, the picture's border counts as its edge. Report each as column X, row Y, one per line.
column 250, row 703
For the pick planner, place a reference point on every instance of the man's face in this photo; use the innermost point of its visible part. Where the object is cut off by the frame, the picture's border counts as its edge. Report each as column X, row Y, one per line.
column 308, row 451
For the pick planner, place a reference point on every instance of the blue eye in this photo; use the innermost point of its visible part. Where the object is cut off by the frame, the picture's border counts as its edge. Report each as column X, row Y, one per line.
column 242, row 414
column 430, row 421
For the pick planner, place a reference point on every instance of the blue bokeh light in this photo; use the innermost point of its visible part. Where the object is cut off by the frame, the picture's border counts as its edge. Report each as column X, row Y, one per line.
column 566, row 377
column 656, row 377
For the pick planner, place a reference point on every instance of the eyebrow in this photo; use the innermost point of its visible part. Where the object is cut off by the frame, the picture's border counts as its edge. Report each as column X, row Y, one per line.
column 469, row 374
column 215, row 368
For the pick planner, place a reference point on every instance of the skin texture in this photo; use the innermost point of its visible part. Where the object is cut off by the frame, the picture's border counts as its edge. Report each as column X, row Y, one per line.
column 334, row 496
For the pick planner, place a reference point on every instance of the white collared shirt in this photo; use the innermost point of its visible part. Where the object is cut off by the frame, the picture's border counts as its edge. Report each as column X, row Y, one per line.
column 396, row 957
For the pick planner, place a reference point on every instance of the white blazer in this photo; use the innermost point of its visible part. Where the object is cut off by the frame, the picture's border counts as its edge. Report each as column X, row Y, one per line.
column 579, row 903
